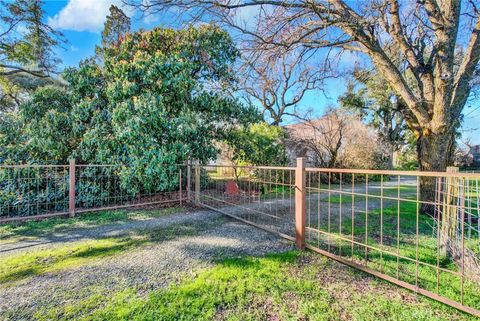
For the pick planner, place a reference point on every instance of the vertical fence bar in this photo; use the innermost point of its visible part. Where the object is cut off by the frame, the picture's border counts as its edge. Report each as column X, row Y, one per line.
column 462, row 228
column 300, row 202
column 353, row 214
column 439, row 220
column 382, row 262
column 366, row 220
column 197, row 185
column 71, row 191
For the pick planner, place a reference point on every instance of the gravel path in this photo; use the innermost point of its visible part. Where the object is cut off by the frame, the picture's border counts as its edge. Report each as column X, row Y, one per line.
column 211, row 236
column 116, row 229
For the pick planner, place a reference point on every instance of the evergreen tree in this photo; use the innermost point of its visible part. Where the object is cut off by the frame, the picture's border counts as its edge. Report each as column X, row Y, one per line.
column 115, row 27
column 27, row 42
column 27, row 58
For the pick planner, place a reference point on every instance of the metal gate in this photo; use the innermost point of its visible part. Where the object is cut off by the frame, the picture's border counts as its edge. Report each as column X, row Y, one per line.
column 419, row 230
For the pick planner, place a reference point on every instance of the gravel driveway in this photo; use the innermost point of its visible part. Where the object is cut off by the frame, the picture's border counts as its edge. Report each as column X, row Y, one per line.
column 209, row 237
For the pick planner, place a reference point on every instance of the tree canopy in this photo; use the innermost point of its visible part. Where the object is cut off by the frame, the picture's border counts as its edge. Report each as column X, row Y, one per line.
column 116, row 25
column 27, row 58
column 153, row 102
column 258, row 144
column 374, row 101
column 415, row 47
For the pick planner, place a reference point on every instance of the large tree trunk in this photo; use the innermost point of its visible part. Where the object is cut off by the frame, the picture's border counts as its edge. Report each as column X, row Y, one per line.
column 391, row 153
column 435, row 153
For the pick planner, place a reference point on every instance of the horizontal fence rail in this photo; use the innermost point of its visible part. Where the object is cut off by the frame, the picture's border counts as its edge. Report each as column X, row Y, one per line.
column 419, row 230
column 37, row 191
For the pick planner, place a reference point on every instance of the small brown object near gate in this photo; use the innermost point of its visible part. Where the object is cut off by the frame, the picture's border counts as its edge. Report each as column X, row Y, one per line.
column 231, row 188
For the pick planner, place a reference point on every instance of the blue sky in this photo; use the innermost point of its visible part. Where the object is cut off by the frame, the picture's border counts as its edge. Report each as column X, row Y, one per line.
column 81, row 21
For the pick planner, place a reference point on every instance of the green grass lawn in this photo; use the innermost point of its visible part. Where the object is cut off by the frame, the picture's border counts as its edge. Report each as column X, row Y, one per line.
column 20, row 266
column 406, row 192
column 388, row 236
column 287, row 286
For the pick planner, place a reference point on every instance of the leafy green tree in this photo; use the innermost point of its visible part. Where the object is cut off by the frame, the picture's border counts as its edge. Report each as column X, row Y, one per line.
column 26, row 51
column 157, row 99
column 259, row 144
column 40, row 131
column 27, row 42
column 12, row 139
column 116, row 26
column 372, row 99
column 154, row 102
column 17, row 89
column 48, row 125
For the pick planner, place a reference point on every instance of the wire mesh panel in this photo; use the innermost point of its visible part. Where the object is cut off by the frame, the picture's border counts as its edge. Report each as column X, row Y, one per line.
column 33, row 191
column 418, row 230
column 115, row 186
column 264, row 196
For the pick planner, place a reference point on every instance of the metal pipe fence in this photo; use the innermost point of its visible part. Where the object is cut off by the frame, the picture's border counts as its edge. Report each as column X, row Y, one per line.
column 263, row 196
column 419, row 230
column 40, row 191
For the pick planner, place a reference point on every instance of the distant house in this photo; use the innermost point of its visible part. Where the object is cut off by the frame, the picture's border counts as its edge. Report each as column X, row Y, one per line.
column 475, row 154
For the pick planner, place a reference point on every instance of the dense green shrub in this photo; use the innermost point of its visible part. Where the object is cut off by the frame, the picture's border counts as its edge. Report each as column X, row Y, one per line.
column 159, row 98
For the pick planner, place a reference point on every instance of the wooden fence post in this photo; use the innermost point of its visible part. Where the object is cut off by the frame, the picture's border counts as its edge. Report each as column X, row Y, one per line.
column 180, row 184
column 300, row 201
column 189, row 170
column 197, row 185
column 71, row 191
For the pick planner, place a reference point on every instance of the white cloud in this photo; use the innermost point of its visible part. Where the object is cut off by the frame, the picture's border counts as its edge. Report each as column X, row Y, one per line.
column 84, row 15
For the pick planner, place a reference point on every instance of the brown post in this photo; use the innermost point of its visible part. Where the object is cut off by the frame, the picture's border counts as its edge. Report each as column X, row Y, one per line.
column 300, row 201
column 71, row 191
column 197, row 185
column 180, row 185
column 189, row 170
